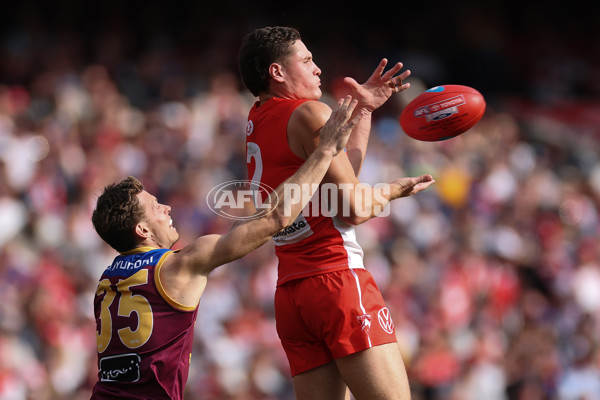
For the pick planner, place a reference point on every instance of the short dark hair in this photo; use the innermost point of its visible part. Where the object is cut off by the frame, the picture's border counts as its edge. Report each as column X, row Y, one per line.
column 117, row 213
column 261, row 48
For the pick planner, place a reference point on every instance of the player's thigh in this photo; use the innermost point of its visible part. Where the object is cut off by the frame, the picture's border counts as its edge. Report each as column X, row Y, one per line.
column 377, row 373
column 321, row 383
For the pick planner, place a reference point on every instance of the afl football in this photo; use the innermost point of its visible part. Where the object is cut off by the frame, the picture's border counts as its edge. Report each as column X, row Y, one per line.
column 442, row 112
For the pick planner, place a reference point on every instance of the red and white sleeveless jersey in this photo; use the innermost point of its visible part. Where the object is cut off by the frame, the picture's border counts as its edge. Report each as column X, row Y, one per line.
column 313, row 244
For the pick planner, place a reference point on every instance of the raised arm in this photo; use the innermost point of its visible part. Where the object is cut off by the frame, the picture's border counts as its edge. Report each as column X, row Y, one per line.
column 371, row 95
column 355, row 204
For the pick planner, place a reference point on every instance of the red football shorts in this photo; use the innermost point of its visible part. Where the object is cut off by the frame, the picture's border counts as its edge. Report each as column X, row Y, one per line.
column 329, row 316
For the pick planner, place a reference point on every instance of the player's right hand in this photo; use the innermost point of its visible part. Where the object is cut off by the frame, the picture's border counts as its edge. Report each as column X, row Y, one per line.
column 380, row 86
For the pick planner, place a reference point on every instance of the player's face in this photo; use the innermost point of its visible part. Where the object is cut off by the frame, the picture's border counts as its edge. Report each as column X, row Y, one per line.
column 158, row 220
column 301, row 74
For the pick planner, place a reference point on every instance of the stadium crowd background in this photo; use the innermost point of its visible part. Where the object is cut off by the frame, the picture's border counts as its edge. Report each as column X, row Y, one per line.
column 492, row 275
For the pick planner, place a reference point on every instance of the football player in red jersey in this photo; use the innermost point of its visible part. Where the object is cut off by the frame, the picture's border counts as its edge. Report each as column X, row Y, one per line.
column 331, row 318
column 147, row 300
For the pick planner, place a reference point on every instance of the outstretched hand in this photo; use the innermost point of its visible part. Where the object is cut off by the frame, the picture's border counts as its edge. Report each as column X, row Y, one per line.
column 337, row 129
column 410, row 186
column 379, row 87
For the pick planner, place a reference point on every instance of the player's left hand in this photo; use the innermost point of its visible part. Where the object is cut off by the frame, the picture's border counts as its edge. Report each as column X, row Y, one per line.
column 414, row 185
column 379, row 87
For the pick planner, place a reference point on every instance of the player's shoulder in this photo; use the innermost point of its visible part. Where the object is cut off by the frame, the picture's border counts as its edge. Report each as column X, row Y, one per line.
column 311, row 112
column 313, row 106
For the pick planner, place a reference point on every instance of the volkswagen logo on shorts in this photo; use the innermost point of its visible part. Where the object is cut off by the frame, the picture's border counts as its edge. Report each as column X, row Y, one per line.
column 385, row 320
column 234, row 199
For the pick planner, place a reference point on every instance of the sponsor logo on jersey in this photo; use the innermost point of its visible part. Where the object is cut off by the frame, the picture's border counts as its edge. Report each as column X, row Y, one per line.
column 385, row 320
column 293, row 233
column 128, row 265
column 290, row 229
column 120, row 368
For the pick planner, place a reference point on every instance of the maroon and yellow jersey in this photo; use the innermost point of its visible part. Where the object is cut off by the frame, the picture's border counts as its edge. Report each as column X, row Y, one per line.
column 314, row 244
column 144, row 338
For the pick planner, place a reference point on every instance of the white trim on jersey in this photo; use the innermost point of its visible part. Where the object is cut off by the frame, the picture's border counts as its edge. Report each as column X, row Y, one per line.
column 355, row 252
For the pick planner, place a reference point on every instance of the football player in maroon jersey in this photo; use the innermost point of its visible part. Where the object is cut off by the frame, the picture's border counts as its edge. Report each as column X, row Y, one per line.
column 147, row 300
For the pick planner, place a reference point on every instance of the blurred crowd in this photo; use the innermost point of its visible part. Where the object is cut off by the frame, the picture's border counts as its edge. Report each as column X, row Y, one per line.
column 492, row 275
